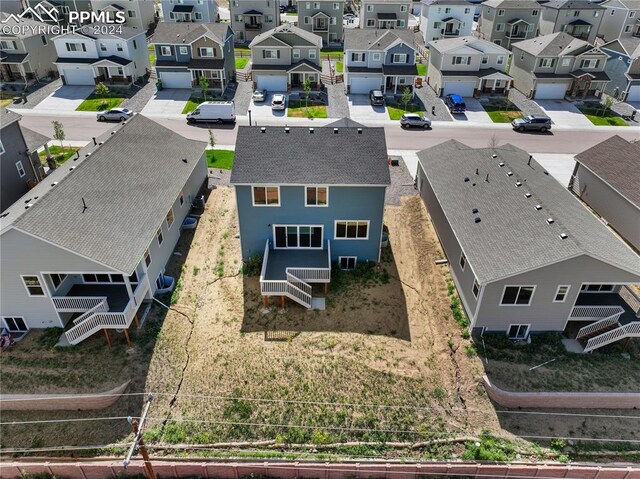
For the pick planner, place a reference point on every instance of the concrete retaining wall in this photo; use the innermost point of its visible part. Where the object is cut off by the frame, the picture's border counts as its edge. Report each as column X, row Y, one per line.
column 546, row 400
column 61, row 402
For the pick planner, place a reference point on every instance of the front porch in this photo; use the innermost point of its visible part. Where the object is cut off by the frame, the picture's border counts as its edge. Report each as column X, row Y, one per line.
column 586, row 84
column 113, row 74
column 215, row 78
column 495, row 82
column 578, row 29
column 301, row 72
column 451, row 27
column 15, row 70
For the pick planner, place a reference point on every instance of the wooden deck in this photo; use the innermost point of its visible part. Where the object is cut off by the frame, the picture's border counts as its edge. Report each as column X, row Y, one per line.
column 116, row 294
column 607, row 299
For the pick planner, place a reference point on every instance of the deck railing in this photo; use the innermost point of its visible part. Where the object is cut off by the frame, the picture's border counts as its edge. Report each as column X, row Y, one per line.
column 593, row 328
column 631, row 298
column 101, row 307
column 594, row 312
column 76, row 304
column 630, row 330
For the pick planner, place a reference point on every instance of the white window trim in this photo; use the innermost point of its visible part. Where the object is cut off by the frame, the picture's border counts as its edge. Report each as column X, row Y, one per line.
column 267, row 205
column 164, row 48
column 586, row 285
column 213, row 52
column 6, row 326
column 146, row 255
column 273, row 231
column 526, row 335
column 335, row 230
column 517, row 286
column 181, row 199
column 355, row 262
column 183, row 50
column 462, row 258
column 316, row 205
column 568, row 286
column 159, row 235
column 44, row 290
column 296, row 53
column 475, row 282
column 376, row 57
column 312, row 54
column 400, row 55
column 2, row 150
column 369, row 8
column 173, row 218
column 20, row 168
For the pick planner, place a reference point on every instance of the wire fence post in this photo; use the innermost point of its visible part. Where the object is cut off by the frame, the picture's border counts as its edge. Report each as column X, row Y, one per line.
column 138, row 428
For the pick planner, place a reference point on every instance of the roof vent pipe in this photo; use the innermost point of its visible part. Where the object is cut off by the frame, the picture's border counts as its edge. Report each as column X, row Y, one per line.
column 529, row 162
column 487, row 178
column 494, row 156
column 477, row 171
column 311, row 130
column 287, row 130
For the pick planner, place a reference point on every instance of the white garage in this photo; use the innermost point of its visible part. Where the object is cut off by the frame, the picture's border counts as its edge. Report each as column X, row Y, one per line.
column 175, row 79
column 365, row 85
column 462, row 88
column 272, row 83
column 634, row 93
column 550, row 91
column 82, row 76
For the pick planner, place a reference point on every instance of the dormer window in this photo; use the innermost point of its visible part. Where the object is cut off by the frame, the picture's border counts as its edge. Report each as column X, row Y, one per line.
column 76, row 47
column 589, row 63
column 399, row 58
column 207, row 52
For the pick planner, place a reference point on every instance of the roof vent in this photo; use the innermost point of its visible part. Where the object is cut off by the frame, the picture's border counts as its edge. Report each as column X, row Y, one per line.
column 87, row 155
column 550, row 221
column 28, row 206
column 563, row 236
column 263, row 129
column 477, row 171
column 101, row 143
column 518, row 184
column 494, row 156
column 474, row 211
column 55, row 183
column 546, row 172
column 538, row 207
column 501, row 164
column 3, row 215
column 509, row 173
column 466, row 179
column 527, row 195
column 287, row 130
column 113, row 132
column 477, row 219
column 28, row 200
column 311, row 130
column 359, row 131
column 335, row 131
column 72, row 168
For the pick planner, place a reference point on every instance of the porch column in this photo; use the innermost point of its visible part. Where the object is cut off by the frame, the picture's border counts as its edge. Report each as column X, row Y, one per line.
column 127, row 285
column 222, row 80
column 22, row 72
column 384, row 84
column 282, row 301
column 395, row 86
column 265, row 301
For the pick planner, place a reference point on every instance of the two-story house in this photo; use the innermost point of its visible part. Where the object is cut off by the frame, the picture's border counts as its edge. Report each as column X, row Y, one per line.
column 445, row 19
column 379, row 60
column 323, row 18
column 579, row 18
column 506, row 21
column 91, row 55
column 284, row 58
column 558, row 65
column 621, row 19
column 25, row 54
column 466, row 66
column 186, row 51
column 20, row 168
column 623, row 67
column 205, row 11
column 384, row 14
column 118, row 208
column 302, row 214
column 62, row 10
column 249, row 18
column 139, row 14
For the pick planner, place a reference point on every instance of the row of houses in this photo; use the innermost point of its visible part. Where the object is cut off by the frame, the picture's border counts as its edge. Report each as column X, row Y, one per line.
column 526, row 255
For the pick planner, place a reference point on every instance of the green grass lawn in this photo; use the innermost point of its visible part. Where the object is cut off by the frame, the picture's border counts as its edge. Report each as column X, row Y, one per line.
column 600, row 118
column 297, row 109
column 222, row 159
column 93, row 103
column 241, row 62
column 6, row 101
column 396, row 110
column 242, row 51
column 335, row 54
column 59, row 154
column 500, row 114
column 339, row 67
column 422, row 69
column 152, row 54
column 191, row 105
column 292, row 14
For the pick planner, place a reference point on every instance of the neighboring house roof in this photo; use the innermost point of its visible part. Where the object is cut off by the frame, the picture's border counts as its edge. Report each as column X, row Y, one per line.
column 7, row 117
column 468, row 44
column 631, row 4
column 512, row 3
column 34, row 27
column 344, row 122
column 129, row 182
column 385, row 1
column 13, row 57
column 572, row 5
column 623, row 174
column 307, row 156
column 121, row 32
column 629, row 46
column 445, row 2
column 179, row 33
column 252, row 12
column 553, row 45
column 512, row 236
column 291, row 35
column 33, row 139
column 370, row 39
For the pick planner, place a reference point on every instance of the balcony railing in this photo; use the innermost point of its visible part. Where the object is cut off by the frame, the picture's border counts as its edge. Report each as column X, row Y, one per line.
column 320, row 27
column 253, row 26
column 518, row 34
column 451, row 33
column 76, row 304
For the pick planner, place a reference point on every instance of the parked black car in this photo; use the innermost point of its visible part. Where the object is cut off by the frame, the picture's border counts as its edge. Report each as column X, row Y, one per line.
column 532, row 123
column 376, row 97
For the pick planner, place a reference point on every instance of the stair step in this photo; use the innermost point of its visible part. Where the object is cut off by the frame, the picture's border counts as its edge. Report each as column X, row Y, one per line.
column 318, row 303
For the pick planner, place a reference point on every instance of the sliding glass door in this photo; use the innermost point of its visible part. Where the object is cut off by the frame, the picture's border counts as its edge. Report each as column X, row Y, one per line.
column 296, row 236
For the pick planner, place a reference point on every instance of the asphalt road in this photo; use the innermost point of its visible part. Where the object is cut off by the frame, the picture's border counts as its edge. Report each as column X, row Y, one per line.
column 559, row 140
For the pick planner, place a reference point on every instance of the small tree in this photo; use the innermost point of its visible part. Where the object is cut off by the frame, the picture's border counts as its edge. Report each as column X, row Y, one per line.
column 204, row 84
column 407, row 96
column 212, row 139
column 58, row 133
column 493, row 141
column 102, row 91
column 607, row 104
column 307, row 91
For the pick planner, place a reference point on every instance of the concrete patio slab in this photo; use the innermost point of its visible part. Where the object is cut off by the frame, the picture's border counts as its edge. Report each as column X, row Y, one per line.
column 168, row 102
column 564, row 113
column 64, row 99
column 361, row 110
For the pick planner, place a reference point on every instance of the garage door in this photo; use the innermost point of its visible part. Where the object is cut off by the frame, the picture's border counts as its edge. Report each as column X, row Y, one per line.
column 175, row 79
column 272, row 83
column 365, row 85
column 550, row 91
column 78, row 77
column 634, row 93
column 462, row 88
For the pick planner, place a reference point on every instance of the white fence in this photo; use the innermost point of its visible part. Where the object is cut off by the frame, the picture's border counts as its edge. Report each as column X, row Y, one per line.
column 594, row 312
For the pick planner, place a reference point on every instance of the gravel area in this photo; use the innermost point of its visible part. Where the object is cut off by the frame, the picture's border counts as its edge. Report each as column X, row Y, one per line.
column 401, row 183
column 524, row 104
column 429, row 99
column 338, row 105
column 218, row 177
column 242, row 97
column 138, row 97
column 38, row 94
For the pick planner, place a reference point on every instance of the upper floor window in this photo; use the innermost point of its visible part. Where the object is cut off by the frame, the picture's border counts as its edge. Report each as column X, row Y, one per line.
column 8, row 45
column 1, row 148
column 131, row 13
column 147, row 258
column 357, row 57
column 447, row 10
column 32, row 283
column 517, row 295
column 400, row 23
column 499, row 27
column 590, row 63
column 566, row 62
column 485, row 60
column 316, row 196
column 399, row 58
column 534, row 13
column 119, row 47
column 352, row 230
column 103, row 47
column 183, row 50
column 312, row 54
column 371, row 22
column 336, row 6
column 376, row 57
column 627, row 28
column 463, row 261
column 403, row 8
column 207, row 52
column 369, row 8
column 596, row 13
column 458, row 60
column 307, row 20
column 170, row 218
column 76, row 47
column 632, row 14
column 576, row 13
column 198, row 15
column 266, row 195
column 20, row 169
column 500, row 60
column 296, row 53
column 181, row 198
column 308, row 5
column 57, row 279
column 159, row 236
column 501, row 12
column 467, row 10
column 316, row 5
column 612, row 12
column 269, row 18
column 165, row 51
column 44, row 40
column 270, row 53
column 476, row 287
column 561, row 294
column 546, row 62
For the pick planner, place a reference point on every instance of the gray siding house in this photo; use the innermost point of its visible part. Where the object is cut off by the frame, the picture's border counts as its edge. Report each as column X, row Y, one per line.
column 62, row 9
column 525, row 255
column 249, row 18
column 623, row 67
column 610, row 188
column 384, row 14
column 140, row 14
column 25, row 55
column 302, row 214
column 187, row 51
column 579, row 18
column 99, row 232
column 506, row 21
column 558, row 65
column 620, row 19
column 205, row 11
column 445, row 19
column 324, row 18
column 379, row 60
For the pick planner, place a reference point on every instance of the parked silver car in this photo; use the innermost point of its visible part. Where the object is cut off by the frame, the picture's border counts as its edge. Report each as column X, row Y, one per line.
column 414, row 119
column 115, row 114
column 278, row 102
column 532, row 123
column 259, row 96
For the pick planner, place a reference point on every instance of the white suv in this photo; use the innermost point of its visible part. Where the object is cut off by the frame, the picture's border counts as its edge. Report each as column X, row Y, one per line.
column 278, row 102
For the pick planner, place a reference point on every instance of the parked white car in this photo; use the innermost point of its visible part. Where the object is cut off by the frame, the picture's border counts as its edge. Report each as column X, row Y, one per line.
column 259, row 96
column 278, row 102
column 115, row 114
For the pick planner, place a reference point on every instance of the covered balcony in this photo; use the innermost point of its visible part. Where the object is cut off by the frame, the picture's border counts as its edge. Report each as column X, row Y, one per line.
column 320, row 22
column 451, row 27
column 15, row 69
column 578, row 29
column 253, row 20
column 182, row 13
column 517, row 29
column 113, row 71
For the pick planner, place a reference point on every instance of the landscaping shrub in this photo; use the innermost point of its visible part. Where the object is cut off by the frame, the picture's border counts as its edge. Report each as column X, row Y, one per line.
column 252, row 266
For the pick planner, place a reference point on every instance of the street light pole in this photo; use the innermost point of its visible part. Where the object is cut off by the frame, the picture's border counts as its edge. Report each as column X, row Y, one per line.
column 137, row 429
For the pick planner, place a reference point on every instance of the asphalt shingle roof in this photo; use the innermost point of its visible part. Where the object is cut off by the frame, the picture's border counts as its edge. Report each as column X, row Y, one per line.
column 513, row 236
column 512, row 3
column 7, row 117
column 617, row 162
column 291, row 35
column 128, row 183
column 370, row 39
column 555, row 44
column 33, row 139
column 573, row 5
column 32, row 31
column 352, row 156
column 186, row 32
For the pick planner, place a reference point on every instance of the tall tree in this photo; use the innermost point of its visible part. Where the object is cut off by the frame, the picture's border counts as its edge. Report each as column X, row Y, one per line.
column 204, row 84
column 58, row 133
column 407, row 96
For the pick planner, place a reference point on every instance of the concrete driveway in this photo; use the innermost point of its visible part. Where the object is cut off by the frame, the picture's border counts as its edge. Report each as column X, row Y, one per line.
column 361, row 110
column 475, row 113
column 564, row 113
column 261, row 112
column 168, row 102
column 64, row 99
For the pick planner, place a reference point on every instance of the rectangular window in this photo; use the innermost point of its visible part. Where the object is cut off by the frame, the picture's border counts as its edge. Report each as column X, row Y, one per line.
column 15, row 324
column 270, row 54
column 632, row 14
column 1, row 148
column 499, row 27
column 266, row 195
column 403, row 8
column 316, row 5
column 208, row 52
column 57, row 279
column 316, row 196
column 476, row 287
column 131, row 13
column 336, row 6
column 159, row 236
column 369, row 8
column 165, row 51
column 170, row 218
column 461, row 60
column 517, row 295
column 296, row 53
column 89, row 278
column 501, row 12
column 32, row 283
column 485, row 60
column 627, row 28
column 295, row 236
column 546, row 62
column 119, row 47
column 597, row 288
column 399, row 58
column 401, row 23
column 312, row 54
column 357, row 57
column 347, row 262
column 181, row 198
column 566, row 62
column 44, row 40
column 518, row 331
column 463, row 261
column 307, row 20
column 561, row 294
column 76, row 47
column 576, row 13
column 198, row 16
column 147, row 258
column 371, row 22
column 8, row 45
column 376, row 57
column 352, row 230
column 592, row 63
column 500, row 60
column 20, row 169
column 534, row 13
column 467, row 11
column 135, row 45
column 103, row 47
column 183, row 50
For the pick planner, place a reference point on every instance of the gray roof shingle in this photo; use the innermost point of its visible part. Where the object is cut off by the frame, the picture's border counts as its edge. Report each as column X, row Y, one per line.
column 33, row 139
column 555, row 44
column 129, row 183
column 7, row 117
column 352, row 156
column 370, row 39
column 186, row 32
column 513, row 236
column 623, row 174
